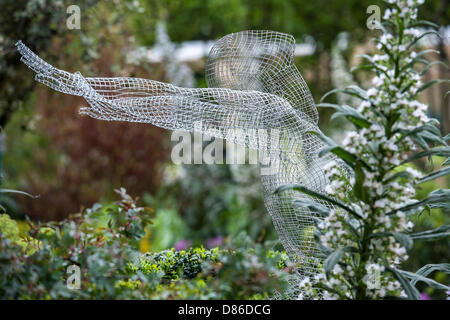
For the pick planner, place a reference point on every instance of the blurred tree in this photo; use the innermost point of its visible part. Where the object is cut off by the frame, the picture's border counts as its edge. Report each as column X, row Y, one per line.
column 36, row 22
column 321, row 19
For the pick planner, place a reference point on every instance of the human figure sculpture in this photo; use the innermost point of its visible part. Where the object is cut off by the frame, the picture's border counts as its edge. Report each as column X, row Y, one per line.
column 253, row 84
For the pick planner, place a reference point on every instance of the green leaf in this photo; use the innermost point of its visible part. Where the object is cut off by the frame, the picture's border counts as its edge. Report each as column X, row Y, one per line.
column 427, row 131
column 357, row 91
column 323, row 137
column 352, row 90
column 333, row 259
column 418, row 59
column 437, row 233
column 417, row 277
column 18, row 192
column 404, row 239
column 348, row 157
column 439, row 151
column 439, row 198
column 358, row 122
column 410, row 290
column 424, row 23
column 429, row 65
column 359, row 190
column 429, row 84
column 350, row 113
column 313, row 206
column 334, row 148
column 317, row 195
column 369, row 67
column 433, row 137
column 429, row 268
column 446, row 162
column 403, row 174
column 421, row 36
column 421, row 142
column 391, row 121
column 366, row 56
column 437, row 174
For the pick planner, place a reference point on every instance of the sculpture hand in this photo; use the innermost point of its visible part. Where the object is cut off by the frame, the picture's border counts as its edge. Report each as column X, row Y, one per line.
column 47, row 74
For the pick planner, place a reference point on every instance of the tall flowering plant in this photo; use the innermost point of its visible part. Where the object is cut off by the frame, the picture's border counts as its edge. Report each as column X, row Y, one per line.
column 366, row 232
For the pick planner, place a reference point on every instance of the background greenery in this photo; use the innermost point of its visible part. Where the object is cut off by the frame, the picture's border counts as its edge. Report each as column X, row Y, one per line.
column 72, row 162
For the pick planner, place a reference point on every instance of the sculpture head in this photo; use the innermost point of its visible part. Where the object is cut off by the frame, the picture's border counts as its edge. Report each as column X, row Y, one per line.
column 247, row 60
column 260, row 60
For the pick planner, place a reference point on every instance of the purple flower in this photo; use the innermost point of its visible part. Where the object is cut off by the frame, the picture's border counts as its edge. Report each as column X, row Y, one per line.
column 424, row 296
column 214, row 242
column 182, row 244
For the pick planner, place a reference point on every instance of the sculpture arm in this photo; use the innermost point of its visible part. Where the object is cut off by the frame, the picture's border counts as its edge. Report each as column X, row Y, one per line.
column 222, row 113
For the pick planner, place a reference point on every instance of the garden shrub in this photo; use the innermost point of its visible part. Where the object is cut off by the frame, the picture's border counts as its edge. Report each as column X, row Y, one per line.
column 104, row 243
column 367, row 233
column 49, row 149
column 177, row 264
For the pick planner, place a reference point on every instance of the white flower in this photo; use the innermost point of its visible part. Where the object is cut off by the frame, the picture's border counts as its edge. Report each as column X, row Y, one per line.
column 378, row 81
column 329, row 190
column 372, row 145
column 330, row 296
column 372, row 92
column 391, row 146
column 381, row 203
column 414, row 173
column 337, row 269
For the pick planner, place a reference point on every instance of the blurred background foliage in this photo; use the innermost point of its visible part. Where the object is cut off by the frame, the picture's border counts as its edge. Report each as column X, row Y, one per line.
column 71, row 161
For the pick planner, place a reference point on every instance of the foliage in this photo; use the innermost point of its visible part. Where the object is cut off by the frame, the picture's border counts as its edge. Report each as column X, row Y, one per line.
column 211, row 201
column 366, row 235
column 435, row 250
column 68, row 159
column 177, row 264
column 322, row 20
column 99, row 242
column 104, row 243
column 244, row 270
column 36, row 22
column 9, row 228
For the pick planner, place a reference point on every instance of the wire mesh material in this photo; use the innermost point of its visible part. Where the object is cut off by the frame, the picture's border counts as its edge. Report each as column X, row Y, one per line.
column 256, row 97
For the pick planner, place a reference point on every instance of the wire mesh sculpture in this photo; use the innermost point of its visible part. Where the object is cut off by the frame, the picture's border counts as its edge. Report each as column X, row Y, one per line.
column 253, row 84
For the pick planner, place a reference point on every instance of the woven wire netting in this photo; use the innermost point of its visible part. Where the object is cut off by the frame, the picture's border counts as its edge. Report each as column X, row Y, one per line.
column 256, row 97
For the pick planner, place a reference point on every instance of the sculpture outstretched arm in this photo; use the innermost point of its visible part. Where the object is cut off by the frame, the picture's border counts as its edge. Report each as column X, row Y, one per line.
column 218, row 112
column 280, row 107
